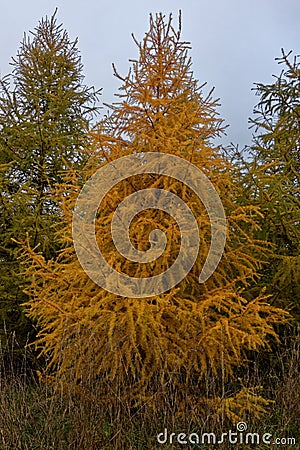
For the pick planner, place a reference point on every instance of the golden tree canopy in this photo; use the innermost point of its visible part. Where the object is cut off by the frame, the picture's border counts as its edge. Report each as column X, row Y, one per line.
column 191, row 328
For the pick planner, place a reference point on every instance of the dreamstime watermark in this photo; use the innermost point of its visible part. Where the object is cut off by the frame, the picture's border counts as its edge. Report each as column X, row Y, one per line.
column 104, row 179
column 239, row 436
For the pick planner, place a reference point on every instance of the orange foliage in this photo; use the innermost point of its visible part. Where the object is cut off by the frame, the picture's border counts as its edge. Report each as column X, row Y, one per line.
column 191, row 328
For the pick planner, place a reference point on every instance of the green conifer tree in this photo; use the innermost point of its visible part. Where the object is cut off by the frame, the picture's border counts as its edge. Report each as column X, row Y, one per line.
column 45, row 115
column 271, row 180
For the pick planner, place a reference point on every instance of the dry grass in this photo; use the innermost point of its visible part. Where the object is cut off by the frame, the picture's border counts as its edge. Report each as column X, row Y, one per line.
column 34, row 416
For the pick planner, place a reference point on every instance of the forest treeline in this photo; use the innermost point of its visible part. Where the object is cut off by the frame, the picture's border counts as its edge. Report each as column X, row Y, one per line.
column 194, row 350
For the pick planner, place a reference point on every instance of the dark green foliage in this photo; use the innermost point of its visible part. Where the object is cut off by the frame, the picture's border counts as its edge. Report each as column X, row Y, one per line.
column 271, row 179
column 45, row 116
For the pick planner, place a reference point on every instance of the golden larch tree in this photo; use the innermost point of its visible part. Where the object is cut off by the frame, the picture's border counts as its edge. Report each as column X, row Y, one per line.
column 142, row 345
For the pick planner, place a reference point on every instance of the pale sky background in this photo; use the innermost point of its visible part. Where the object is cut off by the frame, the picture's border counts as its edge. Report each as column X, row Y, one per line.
column 234, row 42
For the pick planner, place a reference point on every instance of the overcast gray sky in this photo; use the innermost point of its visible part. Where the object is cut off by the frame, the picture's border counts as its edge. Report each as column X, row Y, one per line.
column 234, row 42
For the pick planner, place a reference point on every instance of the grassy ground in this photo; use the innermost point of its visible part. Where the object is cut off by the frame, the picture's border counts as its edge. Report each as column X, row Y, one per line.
column 34, row 416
